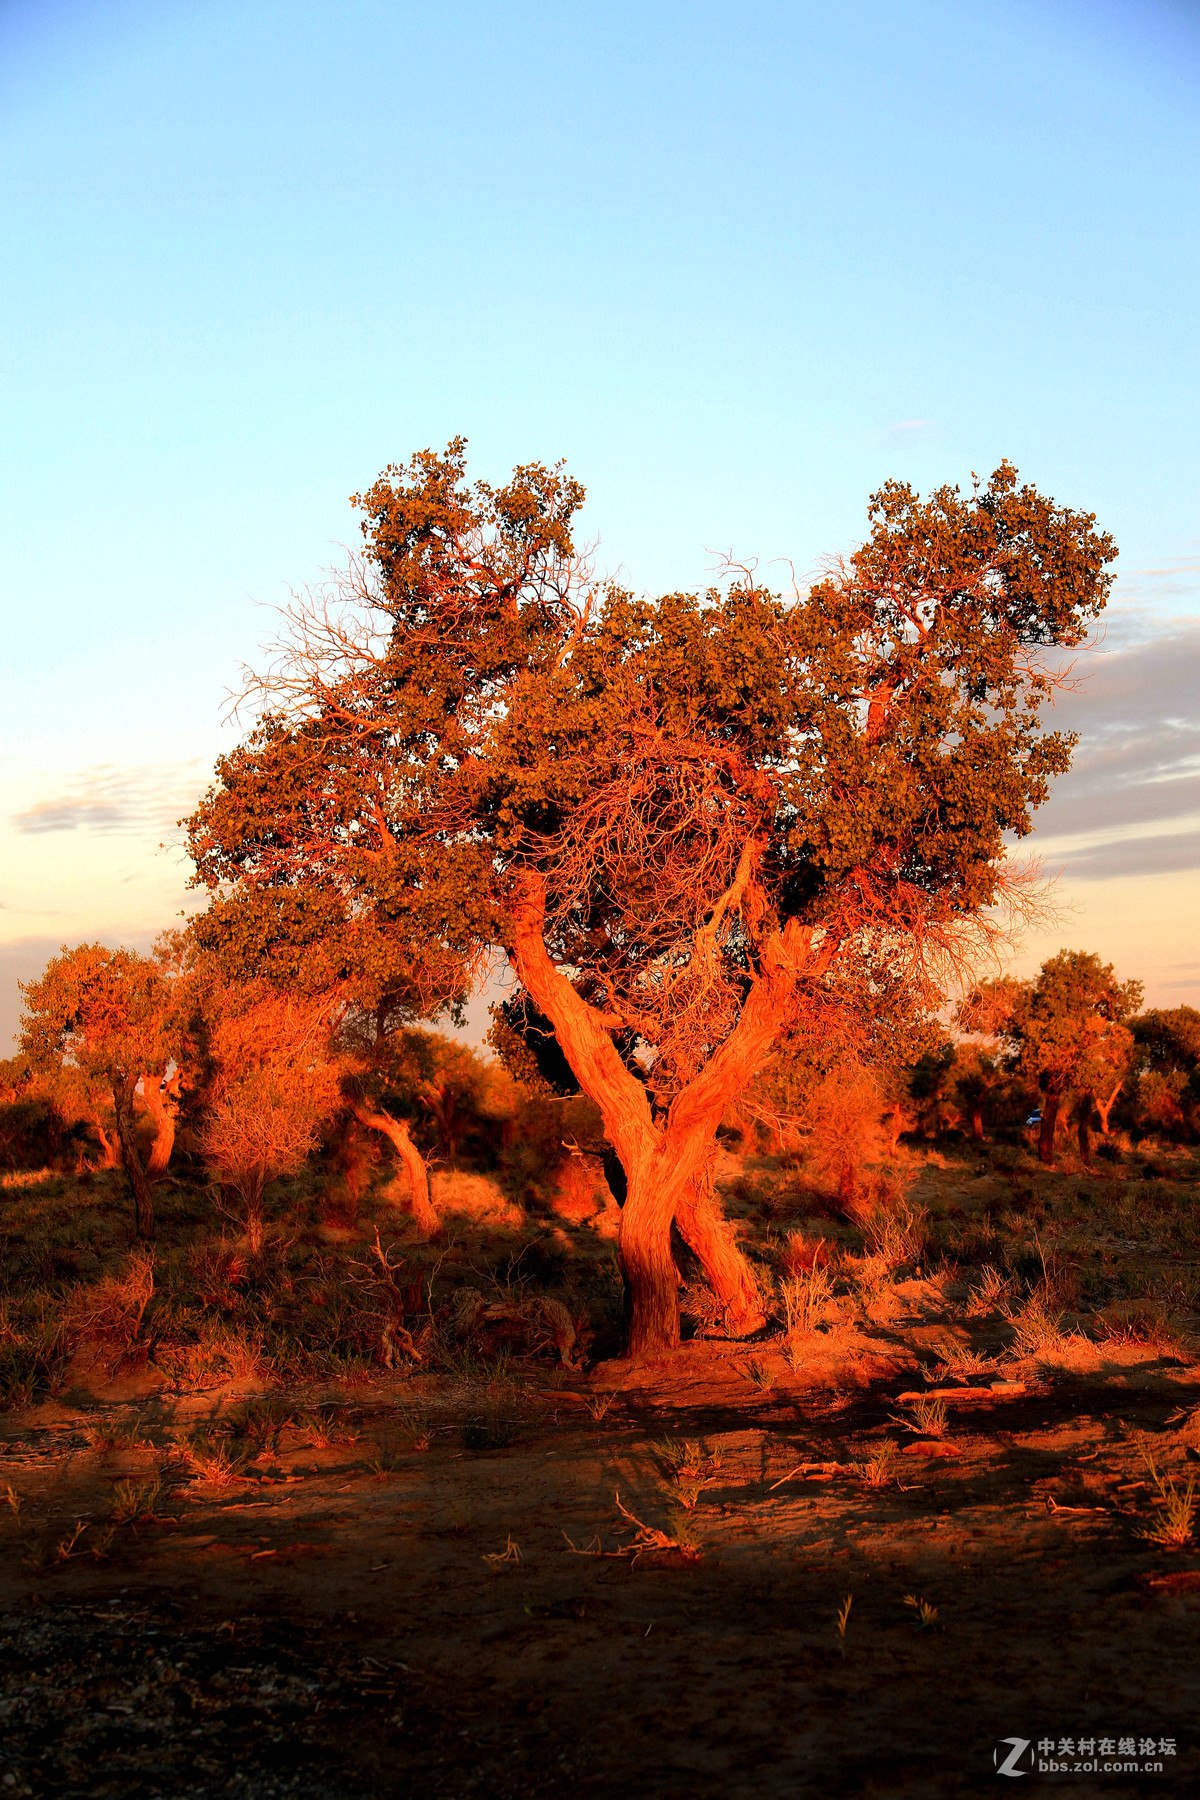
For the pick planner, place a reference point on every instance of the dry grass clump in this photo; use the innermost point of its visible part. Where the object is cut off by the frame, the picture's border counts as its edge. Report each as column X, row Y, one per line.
column 689, row 1466
column 925, row 1616
column 1141, row 1323
column 879, row 1468
column 108, row 1434
column 133, row 1501
column 805, row 1300
column 1175, row 1509
column 326, row 1425
column 799, row 1255
column 262, row 1423
column 111, row 1310
column 926, row 1418
column 228, row 1352
column 988, row 1292
column 216, row 1273
column 1037, row 1328
column 897, row 1235
column 808, row 1306
column 209, row 1457
column 958, row 1362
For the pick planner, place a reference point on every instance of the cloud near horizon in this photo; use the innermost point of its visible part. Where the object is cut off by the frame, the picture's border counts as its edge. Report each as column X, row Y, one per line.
column 111, row 799
column 1137, row 712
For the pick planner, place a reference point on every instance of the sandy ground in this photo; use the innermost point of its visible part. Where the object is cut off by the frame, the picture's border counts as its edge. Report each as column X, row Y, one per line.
column 398, row 1613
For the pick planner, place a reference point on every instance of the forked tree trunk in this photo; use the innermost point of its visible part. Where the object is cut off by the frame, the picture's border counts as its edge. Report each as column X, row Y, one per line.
column 161, row 1108
column 1049, row 1120
column 397, row 1133
column 662, row 1160
column 143, row 1203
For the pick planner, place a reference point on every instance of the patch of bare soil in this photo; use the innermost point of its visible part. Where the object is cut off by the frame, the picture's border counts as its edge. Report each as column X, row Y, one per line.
column 629, row 1585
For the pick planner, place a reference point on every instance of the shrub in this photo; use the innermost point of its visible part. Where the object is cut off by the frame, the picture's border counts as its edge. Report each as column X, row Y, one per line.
column 846, row 1132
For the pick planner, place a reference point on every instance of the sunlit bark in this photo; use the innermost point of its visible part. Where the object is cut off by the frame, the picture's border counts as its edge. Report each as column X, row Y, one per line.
column 667, row 1164
column 143, row 1203
column 160, row 1102
column 397, row 1133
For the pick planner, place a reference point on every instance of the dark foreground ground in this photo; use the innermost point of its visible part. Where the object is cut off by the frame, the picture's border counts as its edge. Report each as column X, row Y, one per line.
column 406, row 1610
column 498, row 1580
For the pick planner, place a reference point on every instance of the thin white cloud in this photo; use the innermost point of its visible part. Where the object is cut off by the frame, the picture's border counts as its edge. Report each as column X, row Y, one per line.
column 1133, row 791
column 112, row 799
column 1168, row 853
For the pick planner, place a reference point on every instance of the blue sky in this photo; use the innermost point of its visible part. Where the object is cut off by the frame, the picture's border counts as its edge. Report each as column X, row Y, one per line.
column 738, row 264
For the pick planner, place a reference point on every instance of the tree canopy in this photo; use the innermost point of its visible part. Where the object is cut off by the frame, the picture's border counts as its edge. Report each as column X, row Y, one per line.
column 1064, row 1030
column 685, row 821
column 113, row 1018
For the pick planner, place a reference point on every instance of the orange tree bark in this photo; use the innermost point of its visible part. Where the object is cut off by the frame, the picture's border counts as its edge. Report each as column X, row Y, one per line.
column 110, row 1147
column 667, row 1162
column 143, row 1202
column 1104, row 1107
column 398, row 1135
column 159, row 1106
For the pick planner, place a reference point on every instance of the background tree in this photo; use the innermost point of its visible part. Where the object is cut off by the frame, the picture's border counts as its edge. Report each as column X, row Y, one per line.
column 35, row 1122
column 1065, row 1032
column 682, row 819
column 975, row 1077
column 272, row 1085
column 1167, row 1066
column 384, row 1066
column 110, row 1017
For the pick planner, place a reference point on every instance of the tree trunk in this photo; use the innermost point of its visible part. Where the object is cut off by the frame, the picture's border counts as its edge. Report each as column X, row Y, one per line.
column 651, row 1278
column 660, row 1160
column 444, row 1107
column 397, row 1133
column 726, row 1270
column 1104, row 1107
column 161, row 1108
column 977, row 1124
column 1049, row 1120
column 110, row 1147
column 1083, row 1125
column 143, row 1203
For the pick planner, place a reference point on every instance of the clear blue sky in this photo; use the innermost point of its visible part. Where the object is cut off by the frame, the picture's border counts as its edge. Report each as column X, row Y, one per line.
column 737, row 263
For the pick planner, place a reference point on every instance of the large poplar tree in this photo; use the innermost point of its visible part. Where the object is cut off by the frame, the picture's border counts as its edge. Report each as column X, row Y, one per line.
column 687, row 822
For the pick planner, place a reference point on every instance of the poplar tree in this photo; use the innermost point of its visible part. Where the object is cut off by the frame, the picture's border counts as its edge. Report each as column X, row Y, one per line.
column 685, row 822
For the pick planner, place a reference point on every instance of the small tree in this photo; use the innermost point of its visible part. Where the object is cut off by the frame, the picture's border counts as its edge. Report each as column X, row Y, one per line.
column 111, row 1019
column 272, row 1086
column 1065, row 1032
column 682, row 820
